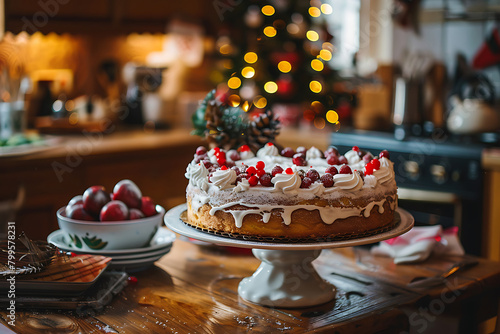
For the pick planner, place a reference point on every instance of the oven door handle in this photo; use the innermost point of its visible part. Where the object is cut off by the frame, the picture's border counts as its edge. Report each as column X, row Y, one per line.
column 427, row 196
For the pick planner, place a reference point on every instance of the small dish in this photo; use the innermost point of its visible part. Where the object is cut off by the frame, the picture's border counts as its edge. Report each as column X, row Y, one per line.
column 67, row 283
column 162, row 239
column 120, row 235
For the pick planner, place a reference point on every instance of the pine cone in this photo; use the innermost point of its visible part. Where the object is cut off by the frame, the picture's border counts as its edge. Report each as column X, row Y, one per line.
column 225, row 125
column 262, row 130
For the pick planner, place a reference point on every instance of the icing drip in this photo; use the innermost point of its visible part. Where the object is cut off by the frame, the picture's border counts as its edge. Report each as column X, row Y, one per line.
column 198, row 201
column 328, row 214
column 350, row 182
column 197, row 175
column 313, row 153
column 223, row 178
column 287, row 183
column 268, row 151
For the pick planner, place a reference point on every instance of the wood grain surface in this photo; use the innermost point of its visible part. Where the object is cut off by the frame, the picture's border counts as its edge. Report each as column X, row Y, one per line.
column 193, row 289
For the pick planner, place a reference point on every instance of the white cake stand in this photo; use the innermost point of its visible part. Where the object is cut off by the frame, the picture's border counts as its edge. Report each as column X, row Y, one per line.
column 286, row 276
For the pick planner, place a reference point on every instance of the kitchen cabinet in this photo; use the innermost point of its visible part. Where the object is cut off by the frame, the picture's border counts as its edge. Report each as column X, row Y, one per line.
column 155, row 162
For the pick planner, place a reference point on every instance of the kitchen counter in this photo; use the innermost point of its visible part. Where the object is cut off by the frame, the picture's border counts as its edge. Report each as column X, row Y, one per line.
column 194, row 289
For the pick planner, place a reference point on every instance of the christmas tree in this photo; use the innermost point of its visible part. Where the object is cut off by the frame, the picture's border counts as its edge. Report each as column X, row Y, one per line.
column 276, row 53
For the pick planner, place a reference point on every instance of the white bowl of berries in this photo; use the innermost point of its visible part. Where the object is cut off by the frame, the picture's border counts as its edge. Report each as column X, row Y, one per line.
column 98, row 220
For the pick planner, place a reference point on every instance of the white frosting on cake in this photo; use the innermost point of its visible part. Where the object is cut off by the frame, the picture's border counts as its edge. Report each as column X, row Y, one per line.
column 287, row 183
column 222, row 192
column 197, row 175
column 313, row 153
column 223, row 179
column 269, row 150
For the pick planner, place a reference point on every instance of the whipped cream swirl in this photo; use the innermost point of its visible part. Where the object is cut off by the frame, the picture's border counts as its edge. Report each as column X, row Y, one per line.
column 269, row 150
column 350, row 182
column 313, row 153
column 287, row 183
column 197, row 175
column 370, row 181
column 223, row 178
column 352, row 157
column 386, row 171
column 243, row 185
column 245, row 155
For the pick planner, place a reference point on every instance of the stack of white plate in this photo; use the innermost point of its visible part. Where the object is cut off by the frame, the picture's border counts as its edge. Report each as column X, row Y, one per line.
column 129, row 260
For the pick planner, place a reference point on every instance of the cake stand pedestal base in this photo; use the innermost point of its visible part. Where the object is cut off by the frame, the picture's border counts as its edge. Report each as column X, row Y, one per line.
column 286, row 278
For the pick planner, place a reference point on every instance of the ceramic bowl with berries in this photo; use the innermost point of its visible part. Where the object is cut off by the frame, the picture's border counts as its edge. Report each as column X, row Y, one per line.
column 98, row 220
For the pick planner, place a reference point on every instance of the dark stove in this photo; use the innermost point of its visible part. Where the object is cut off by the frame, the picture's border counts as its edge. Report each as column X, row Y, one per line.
column 440, row 178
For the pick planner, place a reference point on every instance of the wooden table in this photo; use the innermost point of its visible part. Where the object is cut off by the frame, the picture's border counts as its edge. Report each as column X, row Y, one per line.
column 193, row 289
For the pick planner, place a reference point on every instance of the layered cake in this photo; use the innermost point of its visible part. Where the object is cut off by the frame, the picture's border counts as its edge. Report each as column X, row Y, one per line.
column 291, row 194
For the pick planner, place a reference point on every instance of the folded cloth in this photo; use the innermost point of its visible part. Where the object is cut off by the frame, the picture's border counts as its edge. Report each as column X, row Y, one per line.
column 417, row 244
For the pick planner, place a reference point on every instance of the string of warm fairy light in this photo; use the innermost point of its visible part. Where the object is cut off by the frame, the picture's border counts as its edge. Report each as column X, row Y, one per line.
column 315, row 10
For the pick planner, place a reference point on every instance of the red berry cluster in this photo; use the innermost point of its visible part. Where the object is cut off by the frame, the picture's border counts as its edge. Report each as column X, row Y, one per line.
column 372, row 166
column 254, row 175
column 220, row 156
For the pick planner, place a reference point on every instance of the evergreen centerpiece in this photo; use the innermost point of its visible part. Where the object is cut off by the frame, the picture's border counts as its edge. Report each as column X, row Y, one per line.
column 227, row 126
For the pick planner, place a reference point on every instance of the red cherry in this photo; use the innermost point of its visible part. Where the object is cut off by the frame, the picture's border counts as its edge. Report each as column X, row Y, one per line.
column 287, row 152
column 94, row 198
column 276, row 170
column 253, row 180
column 251, row 170
column 312, row 174
column 306, row 182
column 233, row 155
column 127, row 192
column 343, row 160
column 223, row 168
column 327, row 180
column 216, row 150
column 260, row 165
column 345, row 170
column 299, row 160
column 114, row 211
column 148, row 207
column 77, row 212
column 332, row 150
column 332, row 160
column 367, row 158
column 332, row 170
column 375, row 163
column 135, row 214
column 369, row 169
column 221, row 157
column 201, row 150
column 384, row 154
column 265, row 180
column 355, row 148
column 269, row 144
column 244, row 148
column 78, row 199
column 260, row 172
column 289, row 171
